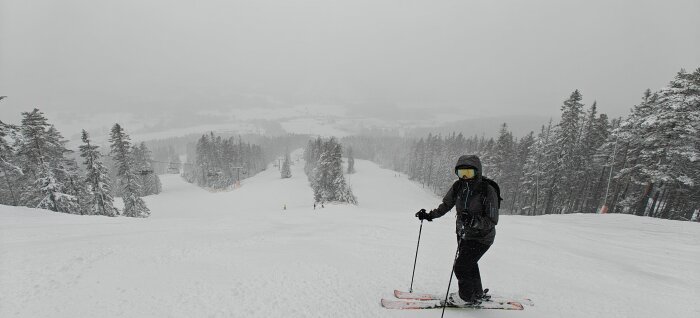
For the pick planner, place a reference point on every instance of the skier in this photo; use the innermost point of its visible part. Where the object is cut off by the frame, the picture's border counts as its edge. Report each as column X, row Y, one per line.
column 476, row 201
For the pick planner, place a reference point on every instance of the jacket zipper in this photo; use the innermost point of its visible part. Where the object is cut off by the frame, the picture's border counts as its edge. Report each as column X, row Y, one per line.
column 466, row 198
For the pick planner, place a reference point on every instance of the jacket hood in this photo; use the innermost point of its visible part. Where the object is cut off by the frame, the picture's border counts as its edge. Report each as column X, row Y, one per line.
column 469, row 161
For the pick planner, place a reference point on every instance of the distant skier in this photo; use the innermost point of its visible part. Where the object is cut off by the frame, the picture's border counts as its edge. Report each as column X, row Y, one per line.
column 477, row 200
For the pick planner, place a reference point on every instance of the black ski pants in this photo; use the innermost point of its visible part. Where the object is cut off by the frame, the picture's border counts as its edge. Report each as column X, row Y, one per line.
column 467, row 269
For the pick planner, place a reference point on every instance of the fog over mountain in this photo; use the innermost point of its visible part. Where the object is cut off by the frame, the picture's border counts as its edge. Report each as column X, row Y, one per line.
column 178, row 65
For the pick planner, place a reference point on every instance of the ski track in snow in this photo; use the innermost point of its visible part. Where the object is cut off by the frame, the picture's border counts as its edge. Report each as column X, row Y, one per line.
column 239, row 254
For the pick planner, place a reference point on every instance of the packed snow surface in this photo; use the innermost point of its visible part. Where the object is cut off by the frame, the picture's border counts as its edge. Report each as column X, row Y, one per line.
column 241, row 254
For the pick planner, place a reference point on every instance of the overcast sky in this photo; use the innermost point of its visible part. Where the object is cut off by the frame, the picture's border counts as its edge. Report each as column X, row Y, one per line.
column 468, row 58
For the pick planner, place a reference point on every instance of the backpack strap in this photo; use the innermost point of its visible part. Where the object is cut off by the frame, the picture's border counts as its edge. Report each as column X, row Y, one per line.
column 496, row 187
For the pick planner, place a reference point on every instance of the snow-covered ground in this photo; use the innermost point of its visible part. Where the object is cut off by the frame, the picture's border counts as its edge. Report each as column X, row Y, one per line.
column 240, row 254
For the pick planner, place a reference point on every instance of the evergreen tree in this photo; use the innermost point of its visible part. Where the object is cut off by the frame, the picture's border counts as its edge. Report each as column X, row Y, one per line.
column 594, row 132
column 99, row 200
column 536, row 167
column 75, row 185
column 626, row 143
column 134, row 206
column 9, row 166
column 677, row 157
column 328, row 180
column 44, row 150
column 500, row 162
column 517, row 174
column 286, row 172
column 564, row 155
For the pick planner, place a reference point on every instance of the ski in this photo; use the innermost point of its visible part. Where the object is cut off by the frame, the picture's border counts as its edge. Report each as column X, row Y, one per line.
column 434, row 303
column 428, row 296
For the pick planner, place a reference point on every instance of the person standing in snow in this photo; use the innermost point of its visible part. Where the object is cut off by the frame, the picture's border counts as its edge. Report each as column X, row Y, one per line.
column 476, row 201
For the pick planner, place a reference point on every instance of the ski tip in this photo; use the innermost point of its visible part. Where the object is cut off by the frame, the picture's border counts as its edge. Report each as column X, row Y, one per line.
column 397, row 293
column 514, row 305
column 390, row 304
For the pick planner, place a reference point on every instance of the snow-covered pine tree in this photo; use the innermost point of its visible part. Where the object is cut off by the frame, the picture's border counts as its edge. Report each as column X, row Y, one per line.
column 329, row 182
column 339, row 190
column 657, row 150
column 286, row 171
column 203, row 169
column 312, row 155
column 500, row 162
column 134, row 206
column 9, row 166
column 351, row 161
column 676, row 123
column 99, row 199
column 612, row 157
column 537, row 166
column 522, row 152
column 66, row 169
column 566, row 143
column 601, row 133
column 595, row 131
column 583, row 170
column 43, row 150
column 75, row 185
column 321, row 174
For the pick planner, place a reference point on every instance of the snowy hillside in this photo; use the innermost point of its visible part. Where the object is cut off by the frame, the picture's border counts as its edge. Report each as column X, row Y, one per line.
column 240, row 254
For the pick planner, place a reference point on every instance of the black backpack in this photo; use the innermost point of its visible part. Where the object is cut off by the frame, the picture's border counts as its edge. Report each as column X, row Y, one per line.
column 495, row 186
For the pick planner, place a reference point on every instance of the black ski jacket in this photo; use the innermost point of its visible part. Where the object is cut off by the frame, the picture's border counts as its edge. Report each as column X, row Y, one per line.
column 476, row 204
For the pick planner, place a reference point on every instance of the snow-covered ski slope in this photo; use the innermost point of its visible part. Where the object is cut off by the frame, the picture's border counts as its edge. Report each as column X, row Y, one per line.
column 239, row 254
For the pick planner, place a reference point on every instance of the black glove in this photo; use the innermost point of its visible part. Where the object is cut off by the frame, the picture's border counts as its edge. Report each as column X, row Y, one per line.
column 422, row 215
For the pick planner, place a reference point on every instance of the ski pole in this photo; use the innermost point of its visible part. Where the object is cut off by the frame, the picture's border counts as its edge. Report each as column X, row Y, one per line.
column 420, row 229
column 459, row 242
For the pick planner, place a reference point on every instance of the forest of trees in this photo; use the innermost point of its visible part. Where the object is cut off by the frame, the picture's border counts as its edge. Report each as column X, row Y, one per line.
column 38, row 171
column 324, row 168
column 647, row 164
column 218, row 163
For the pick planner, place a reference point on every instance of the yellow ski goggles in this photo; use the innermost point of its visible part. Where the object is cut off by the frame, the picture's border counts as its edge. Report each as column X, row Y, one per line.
column 466, row 173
